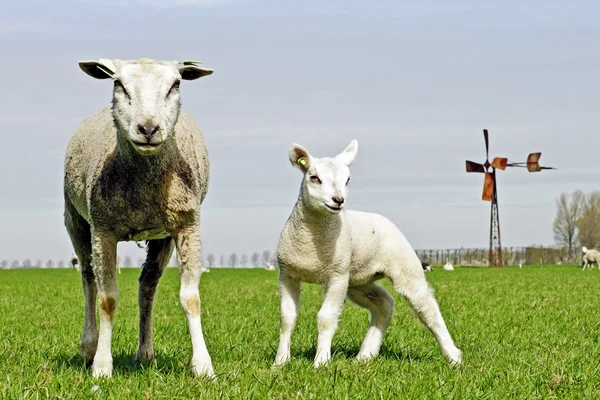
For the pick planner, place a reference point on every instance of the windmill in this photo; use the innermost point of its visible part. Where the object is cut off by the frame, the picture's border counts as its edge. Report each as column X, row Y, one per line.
column 490, row 192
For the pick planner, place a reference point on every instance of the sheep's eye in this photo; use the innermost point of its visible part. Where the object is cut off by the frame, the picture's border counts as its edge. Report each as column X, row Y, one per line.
column 174, row 87
column 315, row 179
column 348, row 180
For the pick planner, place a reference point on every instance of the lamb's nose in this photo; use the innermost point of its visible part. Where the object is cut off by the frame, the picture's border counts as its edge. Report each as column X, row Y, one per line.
column 338, row 200
column 148, row 130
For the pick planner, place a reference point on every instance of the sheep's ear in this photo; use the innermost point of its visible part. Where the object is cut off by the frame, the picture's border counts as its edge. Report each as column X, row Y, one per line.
column 102, row 69
column 190, row 70
column 299, row 157
column 348, row 155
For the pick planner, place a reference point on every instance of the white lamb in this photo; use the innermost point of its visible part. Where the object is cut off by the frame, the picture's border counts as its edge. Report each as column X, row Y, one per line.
column 347, row 251
column 590, row 256
column 269, row 267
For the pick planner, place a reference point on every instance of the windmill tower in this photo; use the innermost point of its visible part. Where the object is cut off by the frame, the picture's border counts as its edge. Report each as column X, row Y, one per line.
column 490, row 192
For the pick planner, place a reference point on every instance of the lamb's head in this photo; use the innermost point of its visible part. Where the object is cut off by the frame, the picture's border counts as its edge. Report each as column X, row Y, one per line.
column 146, row 100
column 325, row 184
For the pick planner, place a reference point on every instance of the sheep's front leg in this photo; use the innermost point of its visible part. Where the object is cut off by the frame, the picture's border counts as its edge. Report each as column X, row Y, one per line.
column 189, row 254
column 104, row 249
column 327, row 319
column 289, row 290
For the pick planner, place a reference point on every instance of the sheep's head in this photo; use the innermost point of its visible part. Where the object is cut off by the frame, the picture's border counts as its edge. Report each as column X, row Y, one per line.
column 325, row 183
column 146, row 100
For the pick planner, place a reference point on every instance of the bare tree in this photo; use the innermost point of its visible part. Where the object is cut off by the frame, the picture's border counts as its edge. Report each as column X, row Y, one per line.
column 266, row 256
column 222, row 261
column 4, row 264
column 127, row 262
column 14, row 265
column 49, row 264
column 244, row 260
column 589, row 223
column 255, row 260
column 27, row 263
column 210, row 260
column 61, row 264
column 233, row 259
column 568, row 213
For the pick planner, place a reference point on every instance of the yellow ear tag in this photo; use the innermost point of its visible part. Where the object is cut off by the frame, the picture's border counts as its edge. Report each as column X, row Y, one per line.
column 302, row 161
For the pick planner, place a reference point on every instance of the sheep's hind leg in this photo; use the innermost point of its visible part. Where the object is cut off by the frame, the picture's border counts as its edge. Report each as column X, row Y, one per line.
column 289, row 290
column 104, row 247
column 158, row 254
column 420, row 296
column 189, row 254
column 327, row 319
column 381, row 307
column 79, row 232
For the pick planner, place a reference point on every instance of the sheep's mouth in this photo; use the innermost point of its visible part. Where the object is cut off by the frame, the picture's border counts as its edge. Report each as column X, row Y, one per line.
column 332, row 208
column 146, row 147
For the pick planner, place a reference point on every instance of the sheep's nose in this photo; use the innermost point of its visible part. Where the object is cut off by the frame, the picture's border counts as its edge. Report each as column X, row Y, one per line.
column 148, row 130
column 338, row 200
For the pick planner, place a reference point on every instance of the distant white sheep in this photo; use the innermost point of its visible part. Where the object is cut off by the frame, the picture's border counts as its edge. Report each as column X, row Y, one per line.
column 426, row 266
column 448, row 266
column 205, row 269
column 347, row 251
column 590, row 257
column 269, row 267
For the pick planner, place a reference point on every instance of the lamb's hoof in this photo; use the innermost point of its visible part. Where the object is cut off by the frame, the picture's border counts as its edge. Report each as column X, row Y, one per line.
column 204, row 369
column 364, row 357
column 455, row 357
column 145, row 357
column 102, row 368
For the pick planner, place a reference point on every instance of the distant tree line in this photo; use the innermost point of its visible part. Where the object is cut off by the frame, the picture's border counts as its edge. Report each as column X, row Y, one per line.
column 577, row 222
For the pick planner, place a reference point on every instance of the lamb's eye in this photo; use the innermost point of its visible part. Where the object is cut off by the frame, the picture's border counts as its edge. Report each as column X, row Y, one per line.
column 315, row 179
column 348, row 180
column 119, row 86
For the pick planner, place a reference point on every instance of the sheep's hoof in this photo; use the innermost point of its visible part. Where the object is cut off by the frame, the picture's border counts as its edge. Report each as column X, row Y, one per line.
column 145, row 357
column 320, row 361
column 88, row 351
column 364, row 357
column 102, row 368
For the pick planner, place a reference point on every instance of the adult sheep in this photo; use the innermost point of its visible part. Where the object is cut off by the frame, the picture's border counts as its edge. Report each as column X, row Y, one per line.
column 137, row 170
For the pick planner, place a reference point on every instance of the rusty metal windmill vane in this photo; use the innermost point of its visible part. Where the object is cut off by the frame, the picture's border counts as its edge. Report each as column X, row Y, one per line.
column 490, row 192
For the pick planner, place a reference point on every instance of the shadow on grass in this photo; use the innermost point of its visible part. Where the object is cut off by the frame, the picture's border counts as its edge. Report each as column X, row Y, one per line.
column 350, row 354
column 125, row 364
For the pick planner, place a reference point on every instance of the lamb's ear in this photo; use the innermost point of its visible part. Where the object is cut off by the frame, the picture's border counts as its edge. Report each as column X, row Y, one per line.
column 190, row 70
column 102, row 69
column 299, row 157
column 348, row 155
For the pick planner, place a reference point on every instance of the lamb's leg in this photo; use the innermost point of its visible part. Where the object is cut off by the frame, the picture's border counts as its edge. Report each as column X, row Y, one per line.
column 327, row 319
column 381, row 306
column 289, row 290
column 79, row 232
column 104, row 248
column 157, row 258
column 189, row 254
column 420, row 296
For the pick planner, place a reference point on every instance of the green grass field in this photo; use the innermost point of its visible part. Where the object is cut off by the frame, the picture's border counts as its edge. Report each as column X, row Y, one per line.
column 526, row 333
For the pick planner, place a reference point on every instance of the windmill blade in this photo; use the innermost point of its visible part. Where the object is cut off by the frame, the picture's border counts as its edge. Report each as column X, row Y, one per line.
column 500, row 163
column 488, row 187
column 533, row 164
column 487, row 144
column 474, row 167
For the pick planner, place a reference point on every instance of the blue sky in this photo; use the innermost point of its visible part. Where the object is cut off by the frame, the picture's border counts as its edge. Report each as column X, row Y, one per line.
column 414, row 81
